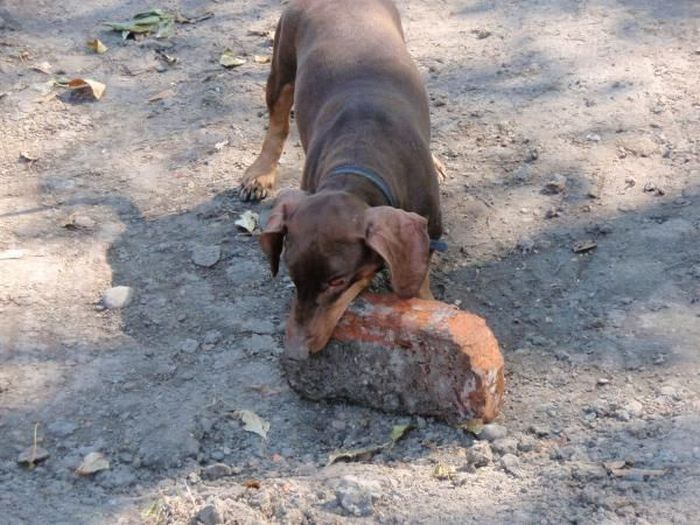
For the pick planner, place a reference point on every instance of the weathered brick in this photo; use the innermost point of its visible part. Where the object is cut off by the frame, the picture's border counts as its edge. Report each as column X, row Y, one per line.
column 407, row 356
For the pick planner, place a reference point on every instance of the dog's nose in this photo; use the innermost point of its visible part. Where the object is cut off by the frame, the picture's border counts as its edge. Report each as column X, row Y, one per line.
column 296, row 344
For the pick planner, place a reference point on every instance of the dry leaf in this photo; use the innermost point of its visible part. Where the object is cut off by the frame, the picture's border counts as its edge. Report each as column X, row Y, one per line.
column 584, row 246
column 32, row 455
column 42, row 67
column 358, row 454
column 27, row 157
column 442, row 471
column 248, row 221
column 97, row 46
column 155, row 21
column 251, row 484
column 229, row 59
column 473, row 426
column 254, row 423
column 399, row 431
column 92, row 463
column 87, row 86
column 366, row 453
column 166, row 93
column 262, row 59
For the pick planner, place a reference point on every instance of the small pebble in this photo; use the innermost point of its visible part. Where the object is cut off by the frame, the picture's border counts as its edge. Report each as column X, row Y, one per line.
column 557, row 184
column 216, row 471
column 527, row 444
column 189, row 346
column 505, row 446
column 667, row 391
column 511, row 464
column 206, row 256
column 539, row 430
column 634, row 408
column 357, row 496
column 208, row 515
column 479, row 454
column 492, row 432
column 118, row 297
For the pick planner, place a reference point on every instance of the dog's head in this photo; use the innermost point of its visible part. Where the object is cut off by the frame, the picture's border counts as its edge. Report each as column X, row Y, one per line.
column 333, row 245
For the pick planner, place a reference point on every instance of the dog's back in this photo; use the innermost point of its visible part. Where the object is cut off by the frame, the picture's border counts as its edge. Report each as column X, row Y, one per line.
column 359, row 98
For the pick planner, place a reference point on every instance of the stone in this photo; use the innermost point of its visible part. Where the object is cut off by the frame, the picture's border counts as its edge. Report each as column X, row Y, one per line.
column 639, row 146
column 189, row 346
column 216, row 471
column 634, row 408
column 208, row 515
column 83, row 222
column 411, row 356
column 505, row 446
column 206, row 256
column 479, row 454
column 511, row 464
column 557, row 184
column 668, row 391
column 357, row 496
column 527, row 444
column 212, row 337
column 118, row 297
column 492, row 432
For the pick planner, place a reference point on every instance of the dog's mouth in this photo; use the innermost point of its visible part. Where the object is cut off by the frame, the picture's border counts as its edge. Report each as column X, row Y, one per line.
column 311, row 336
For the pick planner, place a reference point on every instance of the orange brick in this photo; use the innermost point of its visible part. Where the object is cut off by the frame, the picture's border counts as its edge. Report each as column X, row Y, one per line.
column 407, row 356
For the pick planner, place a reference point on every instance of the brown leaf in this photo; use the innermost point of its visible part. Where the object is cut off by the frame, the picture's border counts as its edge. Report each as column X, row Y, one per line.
column 251, row 484
column 97, row 46
column 87, row 86
column 92, row 463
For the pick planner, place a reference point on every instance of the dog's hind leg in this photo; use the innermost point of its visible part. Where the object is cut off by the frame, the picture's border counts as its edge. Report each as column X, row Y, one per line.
column 260, row 177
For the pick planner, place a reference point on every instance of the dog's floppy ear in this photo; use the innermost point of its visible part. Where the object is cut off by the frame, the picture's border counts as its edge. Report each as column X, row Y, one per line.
column 401, row 239
column 272, row 237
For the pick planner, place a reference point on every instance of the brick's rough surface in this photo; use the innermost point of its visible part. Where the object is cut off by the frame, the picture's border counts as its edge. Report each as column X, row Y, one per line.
column 407, row 356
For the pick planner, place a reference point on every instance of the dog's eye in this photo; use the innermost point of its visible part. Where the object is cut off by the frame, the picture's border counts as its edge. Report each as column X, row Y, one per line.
column 337, row 281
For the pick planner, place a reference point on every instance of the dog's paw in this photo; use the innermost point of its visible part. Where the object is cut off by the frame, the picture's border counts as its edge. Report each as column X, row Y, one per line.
column 256, row 187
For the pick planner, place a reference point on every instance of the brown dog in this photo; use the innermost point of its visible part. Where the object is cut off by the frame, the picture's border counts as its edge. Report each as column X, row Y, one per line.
column 369, row 192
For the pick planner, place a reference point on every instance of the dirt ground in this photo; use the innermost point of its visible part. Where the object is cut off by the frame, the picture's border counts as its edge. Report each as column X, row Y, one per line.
column 560, row 122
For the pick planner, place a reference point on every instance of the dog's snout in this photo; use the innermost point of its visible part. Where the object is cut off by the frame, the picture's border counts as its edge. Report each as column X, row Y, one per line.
column 296, row 341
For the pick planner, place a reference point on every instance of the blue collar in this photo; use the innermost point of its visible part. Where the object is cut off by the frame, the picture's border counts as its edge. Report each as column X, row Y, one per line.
column 372, row 177
column 435, row 244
